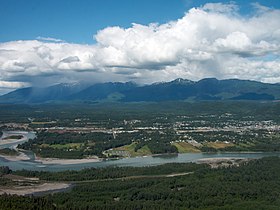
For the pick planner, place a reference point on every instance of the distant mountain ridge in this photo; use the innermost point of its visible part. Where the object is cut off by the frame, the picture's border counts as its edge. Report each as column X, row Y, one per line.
column 179, row 89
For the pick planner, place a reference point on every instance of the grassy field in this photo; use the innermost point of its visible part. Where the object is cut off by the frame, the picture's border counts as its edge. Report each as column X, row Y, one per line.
column 184, row 147
column 218, row 145
column 130, row 149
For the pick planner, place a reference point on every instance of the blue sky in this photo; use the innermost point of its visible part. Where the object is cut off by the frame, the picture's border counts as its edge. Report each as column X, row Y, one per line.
column 78, row 20
column 145, row 41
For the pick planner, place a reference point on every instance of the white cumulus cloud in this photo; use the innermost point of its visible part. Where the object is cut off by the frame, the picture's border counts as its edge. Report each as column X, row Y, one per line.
column 209, row 41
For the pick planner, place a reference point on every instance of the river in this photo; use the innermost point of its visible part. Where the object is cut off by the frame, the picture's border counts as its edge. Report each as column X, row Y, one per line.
column 137, row 161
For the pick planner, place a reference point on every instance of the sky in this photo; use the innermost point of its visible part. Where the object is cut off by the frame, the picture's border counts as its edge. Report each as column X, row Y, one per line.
column 145, row 41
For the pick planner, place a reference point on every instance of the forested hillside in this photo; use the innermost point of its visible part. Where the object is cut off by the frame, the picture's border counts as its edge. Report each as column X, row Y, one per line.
column 253, row 185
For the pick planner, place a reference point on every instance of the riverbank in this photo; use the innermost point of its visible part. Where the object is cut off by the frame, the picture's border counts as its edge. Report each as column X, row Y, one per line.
column 12, row 141
column 49, row 161
column 223, row 162
column 19, row 157
column 34, row 189
column 59, row 161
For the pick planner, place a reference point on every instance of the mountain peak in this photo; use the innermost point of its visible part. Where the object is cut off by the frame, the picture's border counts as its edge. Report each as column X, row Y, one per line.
column 71, row 84
column 182, row 81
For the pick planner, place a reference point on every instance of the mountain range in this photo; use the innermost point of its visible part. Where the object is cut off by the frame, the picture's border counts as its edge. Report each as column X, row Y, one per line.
column 179, row 89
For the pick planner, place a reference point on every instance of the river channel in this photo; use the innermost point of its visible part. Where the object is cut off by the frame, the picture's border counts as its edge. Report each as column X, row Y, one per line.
column 136, row 161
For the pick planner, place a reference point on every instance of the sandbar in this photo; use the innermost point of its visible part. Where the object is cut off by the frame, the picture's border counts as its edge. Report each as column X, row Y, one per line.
column 19, row 157
column 67, row 161
column 28, row 190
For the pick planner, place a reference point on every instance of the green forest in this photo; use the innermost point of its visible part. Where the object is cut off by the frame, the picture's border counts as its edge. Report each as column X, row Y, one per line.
column 253, row 185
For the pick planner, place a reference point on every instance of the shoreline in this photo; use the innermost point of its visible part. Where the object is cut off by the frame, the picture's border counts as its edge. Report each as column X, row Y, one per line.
column 37, row 189
column 12, row 141
column 47, row 161
column 219, row 159
column 223, row 161
column 19, row 157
